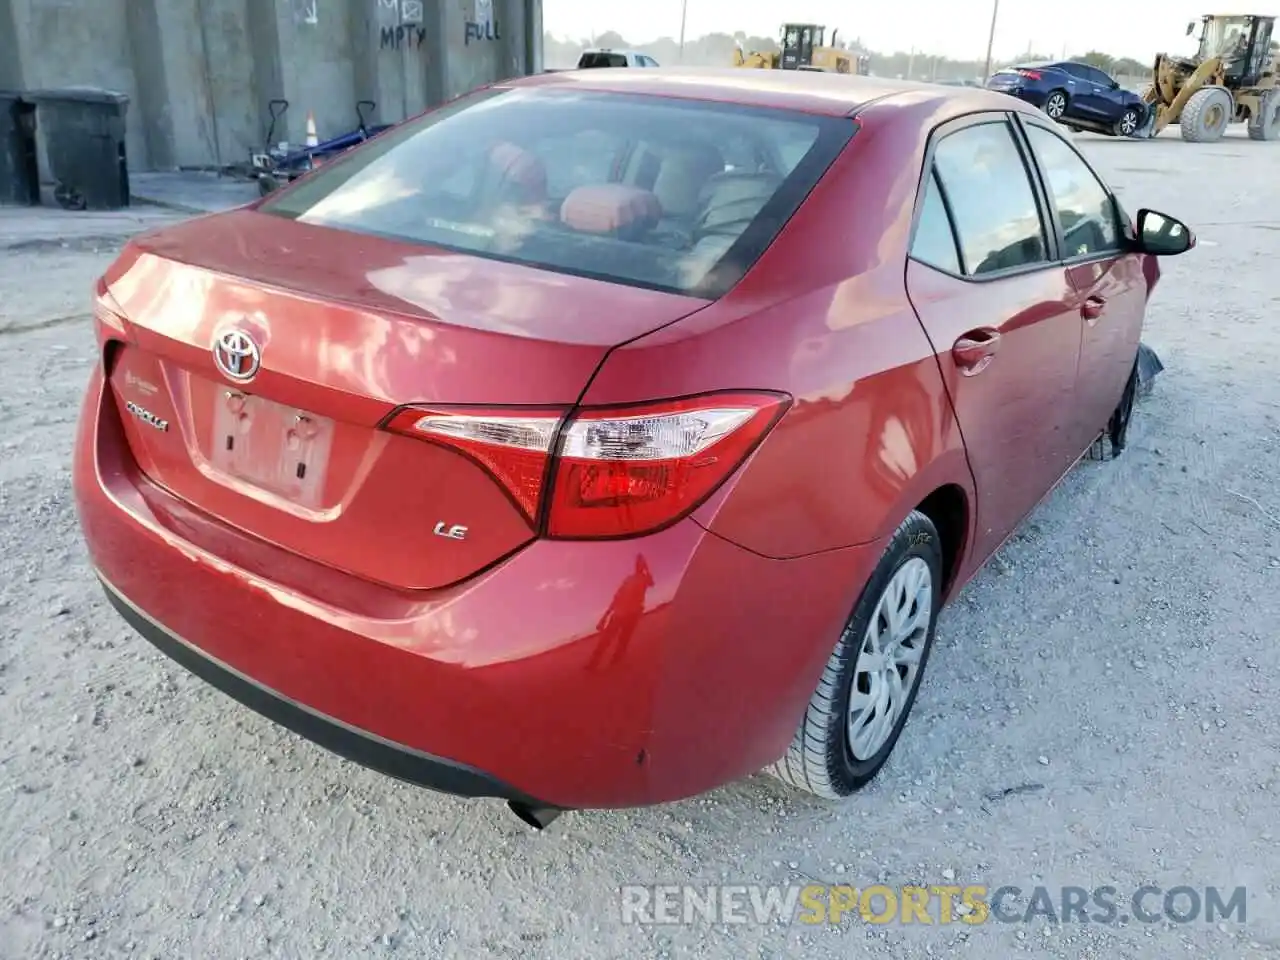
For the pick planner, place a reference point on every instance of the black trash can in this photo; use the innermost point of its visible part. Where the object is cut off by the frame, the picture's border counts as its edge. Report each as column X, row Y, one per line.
column 84, row 138
column 19, row 170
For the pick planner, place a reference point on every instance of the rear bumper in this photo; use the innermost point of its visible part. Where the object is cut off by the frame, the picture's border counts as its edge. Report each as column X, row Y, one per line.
column 364, row 748
column 1029, row 95
column 1025, row 94
column 584, row 675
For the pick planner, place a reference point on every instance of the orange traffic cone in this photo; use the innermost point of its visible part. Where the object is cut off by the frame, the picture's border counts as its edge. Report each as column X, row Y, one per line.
column 313, row 138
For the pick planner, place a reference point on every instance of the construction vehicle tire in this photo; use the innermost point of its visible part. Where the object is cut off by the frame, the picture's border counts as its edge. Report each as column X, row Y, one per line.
column 1207, row 114
column 1266, row 125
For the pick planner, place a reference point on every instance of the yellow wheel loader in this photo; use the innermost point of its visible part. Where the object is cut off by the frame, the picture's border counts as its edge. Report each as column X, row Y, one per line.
column 803, row 48
column 1234, row 77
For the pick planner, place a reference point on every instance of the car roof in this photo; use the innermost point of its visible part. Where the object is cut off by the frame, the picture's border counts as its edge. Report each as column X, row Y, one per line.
column 833, row 94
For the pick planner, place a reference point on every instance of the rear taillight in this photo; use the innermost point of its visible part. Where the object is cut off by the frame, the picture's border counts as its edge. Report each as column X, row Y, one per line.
column 624, row 471
column 514, row 446
column 1029, row 74
column 606, row 472
column 107, row 311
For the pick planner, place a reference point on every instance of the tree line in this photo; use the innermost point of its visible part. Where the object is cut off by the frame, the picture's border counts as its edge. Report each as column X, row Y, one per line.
column 716, row 49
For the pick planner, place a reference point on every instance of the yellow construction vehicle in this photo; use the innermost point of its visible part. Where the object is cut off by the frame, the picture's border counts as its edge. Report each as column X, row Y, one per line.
column 1234, row 77
column 803, row 48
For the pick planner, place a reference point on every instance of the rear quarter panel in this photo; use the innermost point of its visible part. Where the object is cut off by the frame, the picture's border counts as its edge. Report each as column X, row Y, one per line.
column 823, row 316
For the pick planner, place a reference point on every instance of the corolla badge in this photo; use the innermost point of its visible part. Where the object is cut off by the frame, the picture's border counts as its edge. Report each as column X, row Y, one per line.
column 236, row 355
column 146, row 416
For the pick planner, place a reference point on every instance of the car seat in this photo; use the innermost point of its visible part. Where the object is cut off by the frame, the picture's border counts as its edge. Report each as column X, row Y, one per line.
column 729, row 202
column 682, row 173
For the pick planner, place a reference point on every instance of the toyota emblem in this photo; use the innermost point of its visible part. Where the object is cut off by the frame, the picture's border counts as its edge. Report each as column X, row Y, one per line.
column 236, row 355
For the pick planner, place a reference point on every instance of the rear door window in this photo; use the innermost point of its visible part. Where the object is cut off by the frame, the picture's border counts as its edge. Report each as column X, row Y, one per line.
column 935, row 241
column 593, row 61
column 993, row 205
column 626, row 188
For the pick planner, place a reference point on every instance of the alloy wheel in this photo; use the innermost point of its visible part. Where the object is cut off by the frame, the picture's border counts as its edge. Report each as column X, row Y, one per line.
column 1129, row 123
column 1056, row 106
column 888, row 665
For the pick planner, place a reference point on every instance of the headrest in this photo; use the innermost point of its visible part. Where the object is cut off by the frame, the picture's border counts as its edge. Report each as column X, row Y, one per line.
column 521, row 176
column 683, row 171
column 611, row 208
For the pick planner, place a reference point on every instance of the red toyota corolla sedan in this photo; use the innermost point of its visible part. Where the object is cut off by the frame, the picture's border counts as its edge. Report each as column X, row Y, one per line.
column 599, row 438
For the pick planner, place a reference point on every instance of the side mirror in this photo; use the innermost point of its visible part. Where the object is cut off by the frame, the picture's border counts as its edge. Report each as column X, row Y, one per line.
column 1191, row 28
column 1160, row 235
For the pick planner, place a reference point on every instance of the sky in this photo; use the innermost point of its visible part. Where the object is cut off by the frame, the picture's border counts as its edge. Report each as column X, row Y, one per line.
column 952, row 28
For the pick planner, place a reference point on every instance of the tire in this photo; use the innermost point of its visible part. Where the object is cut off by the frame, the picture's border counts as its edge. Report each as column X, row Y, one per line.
column 1113, row 439
column 69, row 198
column 1266, row 125
column 823, row 759
column 1130, row 123
column 1207, row 114
column 1055, row 105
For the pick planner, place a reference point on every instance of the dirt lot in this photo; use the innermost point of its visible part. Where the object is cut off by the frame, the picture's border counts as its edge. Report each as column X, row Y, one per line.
column 1119, row 655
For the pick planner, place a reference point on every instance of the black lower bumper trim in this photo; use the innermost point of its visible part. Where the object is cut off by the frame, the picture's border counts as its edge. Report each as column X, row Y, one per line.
column 356, row 745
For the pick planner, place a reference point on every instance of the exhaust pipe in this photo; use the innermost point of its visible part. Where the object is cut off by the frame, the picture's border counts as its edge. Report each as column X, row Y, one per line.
column 537, row 817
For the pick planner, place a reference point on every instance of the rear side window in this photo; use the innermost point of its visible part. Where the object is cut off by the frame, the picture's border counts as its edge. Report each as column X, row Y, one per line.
column 595, row 60
column 630, row 189
column 1086, row 210
column 992, row 202
column 935, row 242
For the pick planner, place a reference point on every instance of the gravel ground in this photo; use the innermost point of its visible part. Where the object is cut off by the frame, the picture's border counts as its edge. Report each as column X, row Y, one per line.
column 1118, row 656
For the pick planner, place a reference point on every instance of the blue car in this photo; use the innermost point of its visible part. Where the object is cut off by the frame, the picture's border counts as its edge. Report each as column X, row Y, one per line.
column 1074, row 94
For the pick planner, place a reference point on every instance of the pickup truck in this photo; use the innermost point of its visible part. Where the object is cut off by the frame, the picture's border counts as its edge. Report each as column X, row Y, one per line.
column 611, row 58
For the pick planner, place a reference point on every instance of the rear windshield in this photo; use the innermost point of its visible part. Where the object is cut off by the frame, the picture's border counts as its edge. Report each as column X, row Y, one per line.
column 670, row 194
column 593, row 60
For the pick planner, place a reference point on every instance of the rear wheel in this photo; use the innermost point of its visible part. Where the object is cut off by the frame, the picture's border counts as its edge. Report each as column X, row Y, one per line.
column 1129, row 122
column 1206, row 115
column 1055, row 105
column 870, row 682
column 1266, row 125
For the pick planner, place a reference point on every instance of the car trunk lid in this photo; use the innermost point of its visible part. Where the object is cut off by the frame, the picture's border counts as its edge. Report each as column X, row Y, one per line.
column 1005, row 78
column 348, row 328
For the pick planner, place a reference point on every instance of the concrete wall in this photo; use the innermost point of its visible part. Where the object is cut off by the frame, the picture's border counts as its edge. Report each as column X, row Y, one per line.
column 200, row 73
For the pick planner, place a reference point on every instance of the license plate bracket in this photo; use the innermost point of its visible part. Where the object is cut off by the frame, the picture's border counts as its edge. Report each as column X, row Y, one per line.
column 272, row 446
